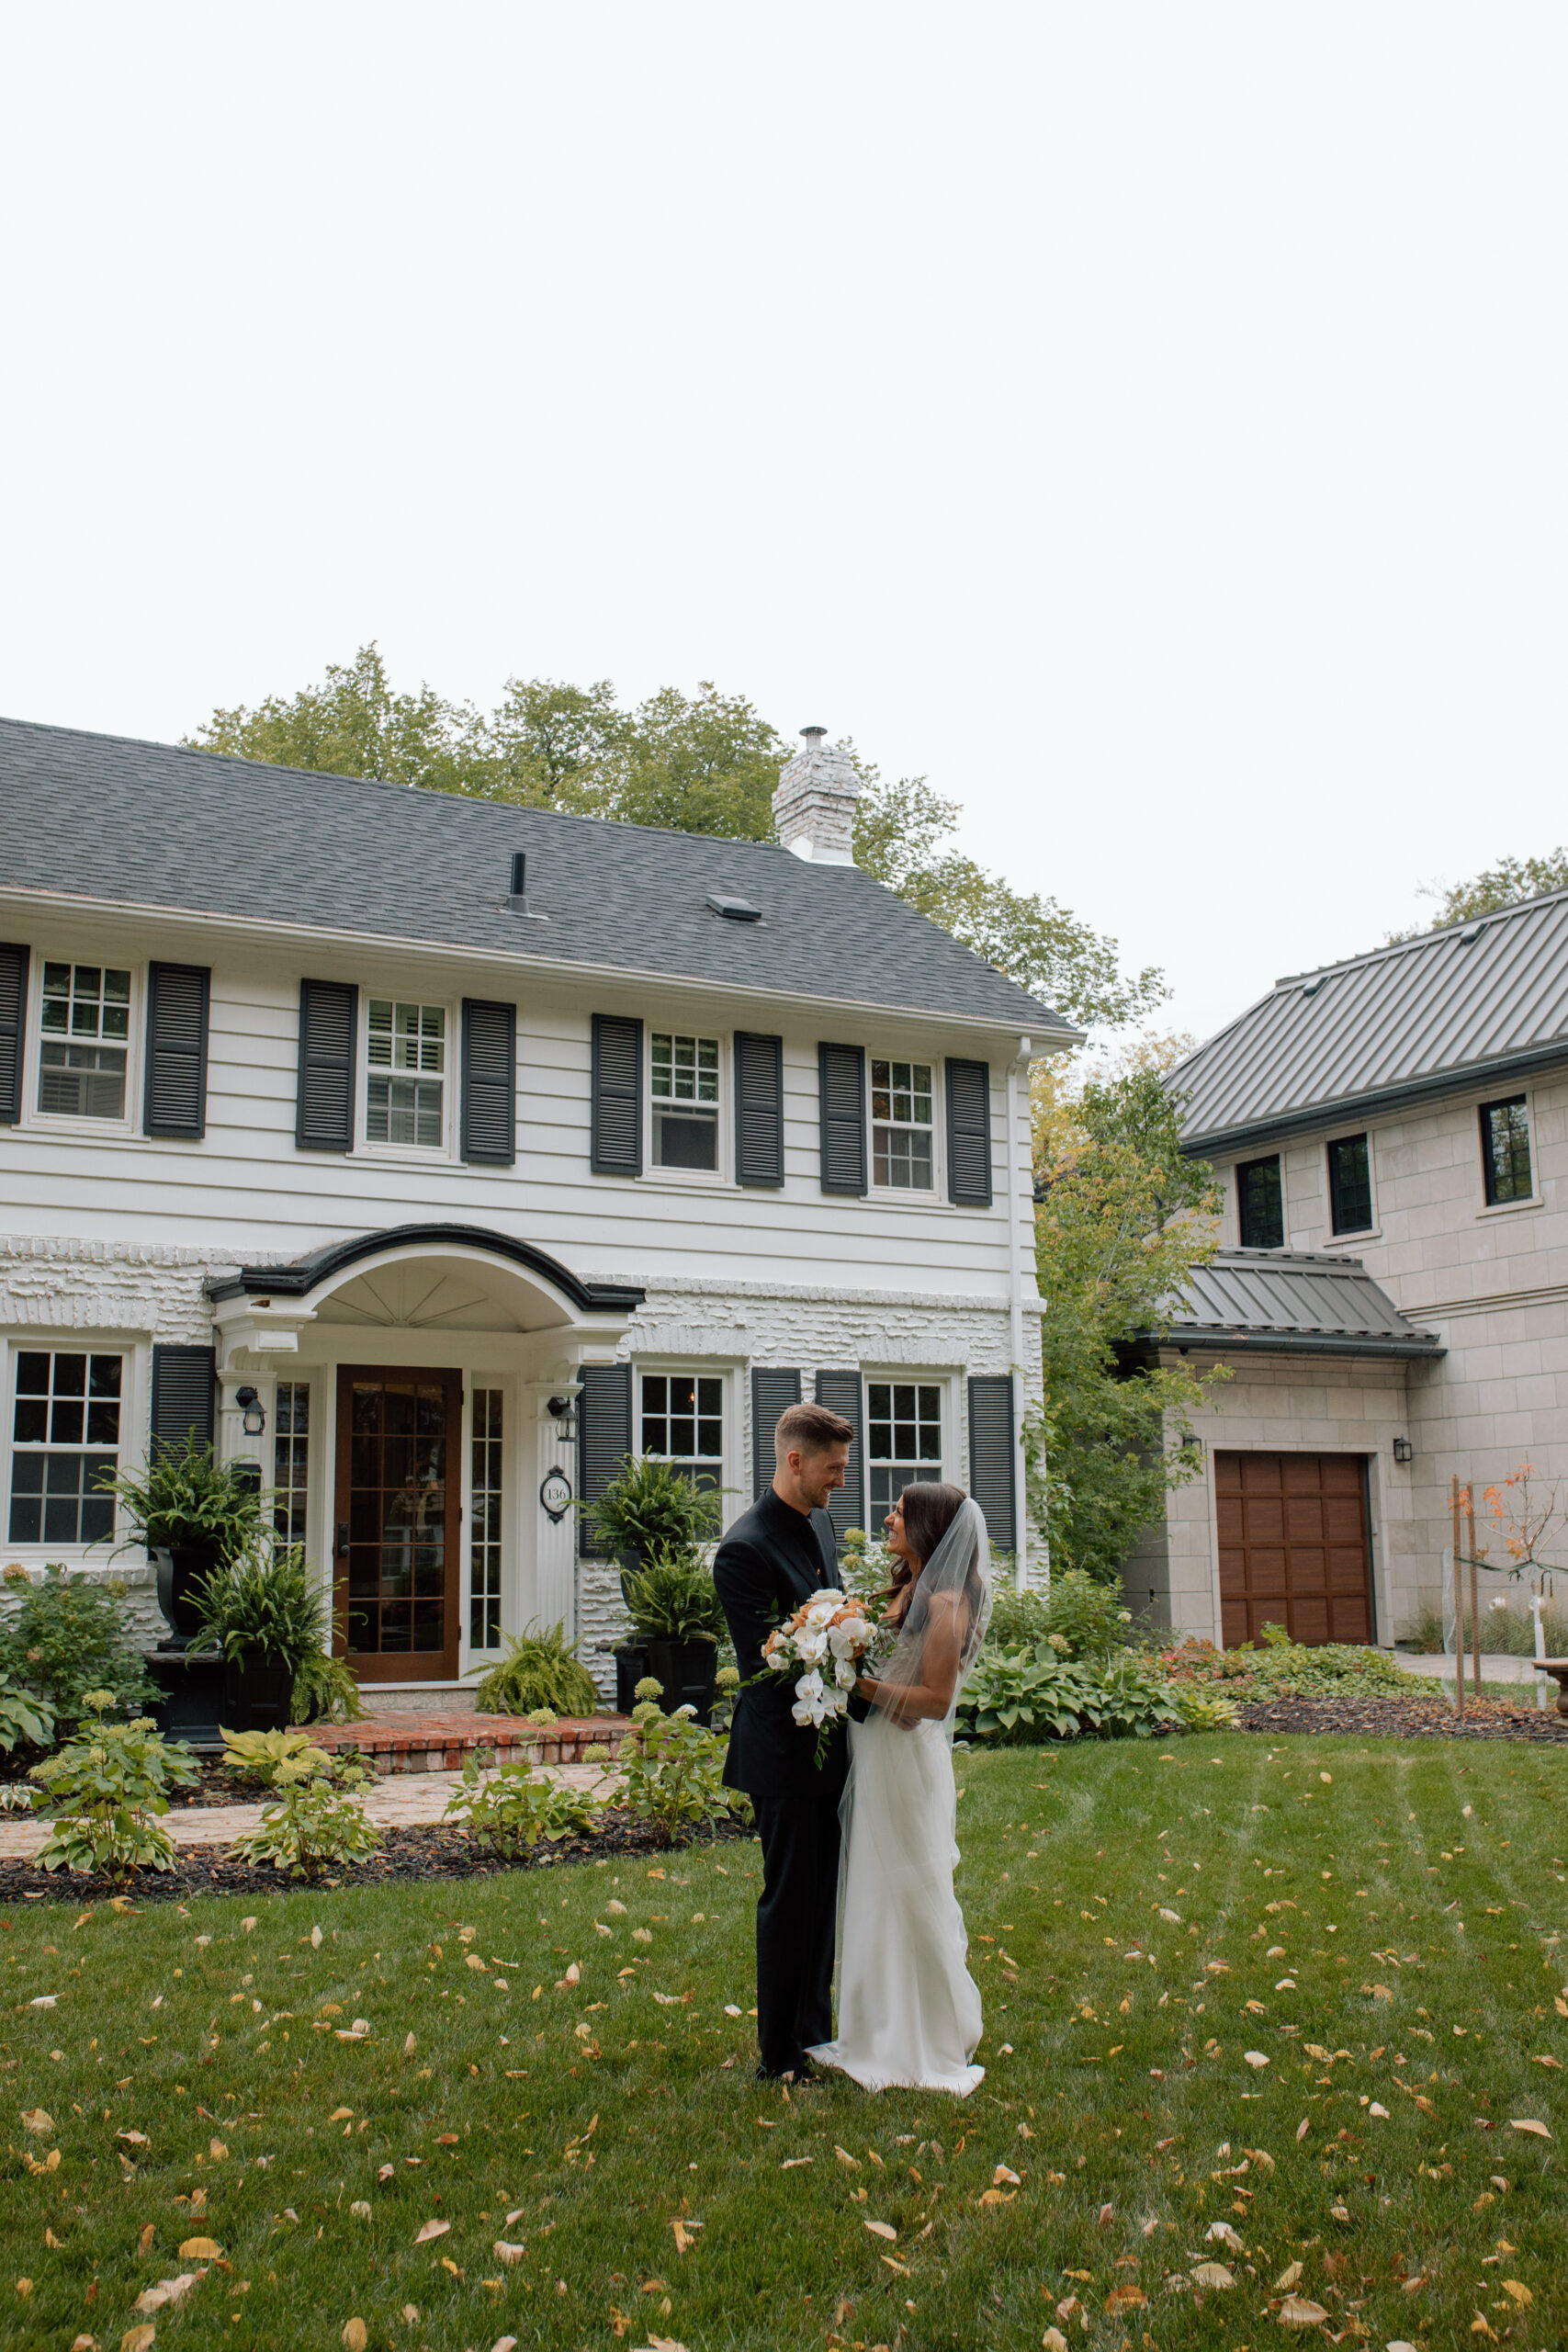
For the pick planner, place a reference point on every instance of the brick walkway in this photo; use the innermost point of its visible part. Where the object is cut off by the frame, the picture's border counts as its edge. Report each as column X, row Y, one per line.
column 405, row 1800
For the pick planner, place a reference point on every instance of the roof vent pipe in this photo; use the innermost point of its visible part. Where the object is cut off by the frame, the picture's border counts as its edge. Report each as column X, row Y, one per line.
column 517, row 898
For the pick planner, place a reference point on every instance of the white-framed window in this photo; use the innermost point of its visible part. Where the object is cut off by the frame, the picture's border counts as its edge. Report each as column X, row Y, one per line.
column 903, row 1129
column 406, row 1048
column 484, row 1519
column 681, row 1419
column 86, row 1049
column 66, row 1410
column 903, row 1438
column 685, row 1102
column 291, row 1460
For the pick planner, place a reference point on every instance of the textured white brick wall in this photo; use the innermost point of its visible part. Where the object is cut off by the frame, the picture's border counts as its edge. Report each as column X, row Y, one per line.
column 123, row 1287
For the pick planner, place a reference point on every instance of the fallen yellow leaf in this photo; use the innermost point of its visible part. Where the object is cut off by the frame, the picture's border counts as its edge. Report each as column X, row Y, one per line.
column 883, row 2229
column 1519, row 2291
column 200, row 2250
column 37, row 2120
column 428, row 2230
column 356, row 2334
column 1296, row 2311
column 1212, row 2274
column 1287, row 2278
column 508, row 2253
column 138, row 2340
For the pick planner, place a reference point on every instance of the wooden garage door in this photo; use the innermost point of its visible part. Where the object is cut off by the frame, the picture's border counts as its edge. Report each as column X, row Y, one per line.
column 1294, row 1546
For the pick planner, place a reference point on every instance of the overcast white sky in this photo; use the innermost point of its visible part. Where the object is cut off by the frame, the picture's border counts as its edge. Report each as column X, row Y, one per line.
column 1146, row 421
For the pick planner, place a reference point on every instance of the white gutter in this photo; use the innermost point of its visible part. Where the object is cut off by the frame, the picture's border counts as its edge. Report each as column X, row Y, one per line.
column 1020, row 1062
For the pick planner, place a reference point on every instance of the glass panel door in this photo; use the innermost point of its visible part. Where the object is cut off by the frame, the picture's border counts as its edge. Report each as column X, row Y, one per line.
column 396, row 1566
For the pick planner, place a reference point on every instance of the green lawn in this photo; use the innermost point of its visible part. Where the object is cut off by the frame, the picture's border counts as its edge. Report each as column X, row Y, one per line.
column 584, row 2122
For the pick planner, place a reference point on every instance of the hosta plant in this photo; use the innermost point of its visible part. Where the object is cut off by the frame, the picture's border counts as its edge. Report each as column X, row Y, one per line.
column 505, row 1809
column 106, row 1790
column 674, row 1773
column 318, row 1821
column 260, row 1755
column 24, row 1714
column 1014, row 1697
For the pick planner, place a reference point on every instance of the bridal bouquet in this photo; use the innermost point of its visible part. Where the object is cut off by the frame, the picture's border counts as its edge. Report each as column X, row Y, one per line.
column 825, row 1643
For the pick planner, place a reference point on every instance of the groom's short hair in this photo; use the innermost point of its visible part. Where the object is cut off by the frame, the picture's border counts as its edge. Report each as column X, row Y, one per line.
column 810, row 1429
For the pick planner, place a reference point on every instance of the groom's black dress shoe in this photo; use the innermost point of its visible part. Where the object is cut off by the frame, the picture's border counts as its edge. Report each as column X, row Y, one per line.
column 803, row 2071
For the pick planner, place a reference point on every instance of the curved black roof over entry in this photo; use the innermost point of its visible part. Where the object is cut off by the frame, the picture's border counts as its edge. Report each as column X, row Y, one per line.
column 305, row 1275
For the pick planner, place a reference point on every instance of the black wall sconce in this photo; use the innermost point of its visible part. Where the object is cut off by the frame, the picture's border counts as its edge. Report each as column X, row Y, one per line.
column 251, row 1405
column 563, row 1409
column 1402, row 1450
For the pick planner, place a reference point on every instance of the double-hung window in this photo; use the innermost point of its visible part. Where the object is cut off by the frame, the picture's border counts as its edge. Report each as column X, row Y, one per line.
column 903, row 1419
column 1350, row 1184
column 1260, row 1204
column 64, row 1438
column 84, row 1041
column 681, row 1420
column 1506, row 1151
column 901, row 1126
column 684, row 1101
column 405, row 1094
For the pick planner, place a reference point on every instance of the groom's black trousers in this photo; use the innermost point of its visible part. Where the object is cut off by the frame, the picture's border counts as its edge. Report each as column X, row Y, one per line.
column 796, row 1922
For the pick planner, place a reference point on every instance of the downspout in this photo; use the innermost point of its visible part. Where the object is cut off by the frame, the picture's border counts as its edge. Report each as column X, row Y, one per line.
column 1021, row 1061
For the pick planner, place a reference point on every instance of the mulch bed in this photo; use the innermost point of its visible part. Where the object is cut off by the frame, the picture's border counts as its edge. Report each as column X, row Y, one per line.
column 420, row 1852
column 1406, row 1719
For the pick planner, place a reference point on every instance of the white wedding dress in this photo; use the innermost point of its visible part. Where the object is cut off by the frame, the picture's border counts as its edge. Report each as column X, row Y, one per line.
column 909, row 2009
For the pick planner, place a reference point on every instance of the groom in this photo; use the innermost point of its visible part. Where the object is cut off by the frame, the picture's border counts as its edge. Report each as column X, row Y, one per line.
column 774, row 1557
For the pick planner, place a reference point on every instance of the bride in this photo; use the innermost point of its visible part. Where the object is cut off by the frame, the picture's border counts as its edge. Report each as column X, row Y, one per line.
column 909, row 2009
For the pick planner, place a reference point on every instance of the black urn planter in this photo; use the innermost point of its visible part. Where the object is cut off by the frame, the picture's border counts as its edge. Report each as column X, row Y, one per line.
column 258, row 1689
column 630, row 1564
column 631, row 1665
column 181, row 1570
column 687, row 1671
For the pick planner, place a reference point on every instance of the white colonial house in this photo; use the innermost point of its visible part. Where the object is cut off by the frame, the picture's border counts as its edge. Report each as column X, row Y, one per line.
column 434, row 1154
column 1392, row 1292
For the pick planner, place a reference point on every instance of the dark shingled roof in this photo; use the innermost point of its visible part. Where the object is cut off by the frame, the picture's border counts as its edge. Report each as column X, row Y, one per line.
column 1292, row 1301
column 1482, row 1001
column 107, row 817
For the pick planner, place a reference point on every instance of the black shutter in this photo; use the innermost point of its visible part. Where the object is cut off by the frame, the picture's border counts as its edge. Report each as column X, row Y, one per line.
column 603, row 1439
column 841, row 1071
column 178, row 1003
column 759, row 1109
column 185, row 1395
column 772, row 1392
column 969, row 1134
column 617, row 1096
column 13, row 1031
column 992, row 1456
column 490, row 1083
column 329, row 1037
column 841, row 1393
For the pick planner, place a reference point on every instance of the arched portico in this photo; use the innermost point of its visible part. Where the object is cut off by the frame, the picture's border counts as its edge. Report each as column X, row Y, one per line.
column 405, row 1381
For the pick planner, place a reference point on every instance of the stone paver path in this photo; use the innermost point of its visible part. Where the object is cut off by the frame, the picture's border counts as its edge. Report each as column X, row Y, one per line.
column 405, row 1801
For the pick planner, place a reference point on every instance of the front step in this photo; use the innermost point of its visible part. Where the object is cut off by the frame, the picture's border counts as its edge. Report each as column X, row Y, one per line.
column 403, row 1741
column 418, row 1698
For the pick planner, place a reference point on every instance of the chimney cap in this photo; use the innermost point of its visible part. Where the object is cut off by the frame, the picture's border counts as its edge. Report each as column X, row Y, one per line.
column 813, row 734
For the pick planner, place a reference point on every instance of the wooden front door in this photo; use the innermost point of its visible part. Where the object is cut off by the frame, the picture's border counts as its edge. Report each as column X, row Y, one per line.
column 396, row 1570
column 1293, row 1547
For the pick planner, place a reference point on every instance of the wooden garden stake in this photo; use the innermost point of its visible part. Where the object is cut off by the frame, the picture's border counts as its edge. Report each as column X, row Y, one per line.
column 1474, row 1594
column 1459, row 1603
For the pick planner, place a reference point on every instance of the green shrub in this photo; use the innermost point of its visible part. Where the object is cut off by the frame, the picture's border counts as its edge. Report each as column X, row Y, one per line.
column 502, row 1807
column 265, row 1599
column 260, row 1755
column 24, row 1714
column 184, row 1498
column 1014, row 1697
column 1018, row 1620
column 67, row 1639
column 866, row 1565
column 541, row 1668
column 1506, row 1633
column 648, row 1507
column 325, row 1691
column 674, row 1773
column 1204, row 1709
column 1088, row 1616
column 104, row 1789
column 317, row 1823
column 672, row 1598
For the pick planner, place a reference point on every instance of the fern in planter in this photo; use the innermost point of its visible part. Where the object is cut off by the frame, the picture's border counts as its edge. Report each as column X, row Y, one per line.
column 672, row 1598
column 265, row 1600
column 650, row 1508
column 183, row 1499
column 325, row 1691
column 541, row 1668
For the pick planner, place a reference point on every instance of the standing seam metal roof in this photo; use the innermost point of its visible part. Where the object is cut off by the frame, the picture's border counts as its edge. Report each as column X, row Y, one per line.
column 1480, row 998
column 1295, row 1298
column 109, row 818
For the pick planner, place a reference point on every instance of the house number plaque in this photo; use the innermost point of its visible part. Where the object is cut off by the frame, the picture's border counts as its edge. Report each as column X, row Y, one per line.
column 554, row 1494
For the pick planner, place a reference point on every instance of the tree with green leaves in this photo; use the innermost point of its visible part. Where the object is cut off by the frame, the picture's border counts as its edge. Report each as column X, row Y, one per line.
column 703, row 764
column 1511, row 880
column 1122, row 1219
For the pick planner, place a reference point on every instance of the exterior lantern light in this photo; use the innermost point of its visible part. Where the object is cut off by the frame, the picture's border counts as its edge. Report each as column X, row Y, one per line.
column 251, row 1405
column 1402, row 1450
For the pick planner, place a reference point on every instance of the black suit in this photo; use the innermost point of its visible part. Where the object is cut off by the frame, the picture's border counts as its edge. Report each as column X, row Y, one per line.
column 772, row 1559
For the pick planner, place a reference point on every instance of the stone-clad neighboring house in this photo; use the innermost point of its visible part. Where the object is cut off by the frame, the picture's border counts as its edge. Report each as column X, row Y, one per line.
column 1391, row 1288
column 426, row 1150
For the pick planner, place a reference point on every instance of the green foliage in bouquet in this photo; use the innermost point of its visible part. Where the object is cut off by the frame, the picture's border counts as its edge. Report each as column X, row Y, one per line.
column 505, row 1809
column 541, row 1669
column 106, row 1788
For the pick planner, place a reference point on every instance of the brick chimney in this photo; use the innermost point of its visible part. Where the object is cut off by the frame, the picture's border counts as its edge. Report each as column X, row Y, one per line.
column 814, row 806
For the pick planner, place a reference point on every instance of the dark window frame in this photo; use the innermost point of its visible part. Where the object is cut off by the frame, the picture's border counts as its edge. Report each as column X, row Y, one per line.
column 1496, row 1198
column 1244, row 1169
column 1340, row 1193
